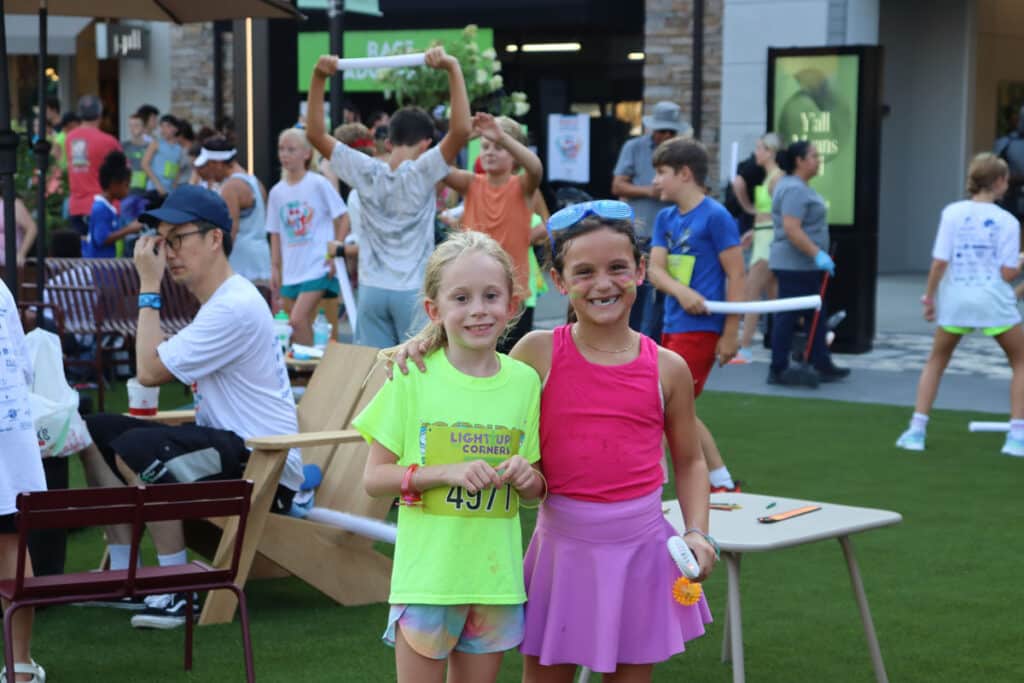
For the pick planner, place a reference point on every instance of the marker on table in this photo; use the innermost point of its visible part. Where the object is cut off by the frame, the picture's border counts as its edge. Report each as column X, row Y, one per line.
column 769, row 506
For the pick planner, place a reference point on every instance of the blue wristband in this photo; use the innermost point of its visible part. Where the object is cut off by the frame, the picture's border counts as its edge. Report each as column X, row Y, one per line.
column 149, row 300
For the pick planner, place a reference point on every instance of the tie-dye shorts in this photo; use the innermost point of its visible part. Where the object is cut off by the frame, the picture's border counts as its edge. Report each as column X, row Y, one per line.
column 435, row 630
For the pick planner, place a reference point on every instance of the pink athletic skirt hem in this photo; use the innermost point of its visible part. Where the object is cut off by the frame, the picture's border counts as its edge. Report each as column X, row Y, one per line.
column 599, row 586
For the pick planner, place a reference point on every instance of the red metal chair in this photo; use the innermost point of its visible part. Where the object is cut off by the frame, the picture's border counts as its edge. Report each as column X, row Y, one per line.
column 136, row 506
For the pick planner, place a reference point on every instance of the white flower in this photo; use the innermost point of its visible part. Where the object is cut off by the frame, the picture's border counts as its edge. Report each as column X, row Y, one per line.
column 472, row 48
column 481, row 76
column 489, row 53
column 496, row 82
column 495, row 66
column 470, row 30
column 520, row 109
column 518, row 96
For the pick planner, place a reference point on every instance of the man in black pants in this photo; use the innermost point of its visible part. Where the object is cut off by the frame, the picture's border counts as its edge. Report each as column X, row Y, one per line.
column 230, row 357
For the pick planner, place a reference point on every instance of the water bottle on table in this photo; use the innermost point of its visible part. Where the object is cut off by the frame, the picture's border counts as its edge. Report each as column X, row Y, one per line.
column 321, row 331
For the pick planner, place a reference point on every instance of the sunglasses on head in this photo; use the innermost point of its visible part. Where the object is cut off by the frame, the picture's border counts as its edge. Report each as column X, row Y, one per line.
column 609, row 209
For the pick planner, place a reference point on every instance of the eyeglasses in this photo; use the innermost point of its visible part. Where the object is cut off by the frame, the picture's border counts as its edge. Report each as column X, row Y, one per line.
column 174, row 241
column 610, row 209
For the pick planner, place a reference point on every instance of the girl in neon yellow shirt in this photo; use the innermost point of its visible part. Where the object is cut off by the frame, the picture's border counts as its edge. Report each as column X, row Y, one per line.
column 459, row 444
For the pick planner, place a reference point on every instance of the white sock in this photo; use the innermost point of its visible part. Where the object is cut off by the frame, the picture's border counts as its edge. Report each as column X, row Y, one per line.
column 919, row 423
column 1017, row 430
column 119, row 555
column 180, row 557
column 721, row 477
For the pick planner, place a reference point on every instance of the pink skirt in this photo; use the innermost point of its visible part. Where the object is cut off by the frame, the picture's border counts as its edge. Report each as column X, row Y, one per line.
column 599, row 586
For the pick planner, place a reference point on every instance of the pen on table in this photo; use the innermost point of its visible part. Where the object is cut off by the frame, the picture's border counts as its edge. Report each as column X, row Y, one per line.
column 769, row 506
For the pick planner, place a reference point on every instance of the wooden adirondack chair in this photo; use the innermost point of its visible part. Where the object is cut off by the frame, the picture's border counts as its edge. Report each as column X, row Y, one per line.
column 343, row 565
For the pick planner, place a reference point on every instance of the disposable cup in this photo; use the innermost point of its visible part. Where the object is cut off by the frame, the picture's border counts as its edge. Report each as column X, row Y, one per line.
column 142, row 400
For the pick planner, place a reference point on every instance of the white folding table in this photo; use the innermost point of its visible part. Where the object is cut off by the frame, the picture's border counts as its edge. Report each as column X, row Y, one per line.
column 738, row 531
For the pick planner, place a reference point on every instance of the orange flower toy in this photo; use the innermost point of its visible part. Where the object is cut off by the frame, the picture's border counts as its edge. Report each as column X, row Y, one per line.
column 686, row 592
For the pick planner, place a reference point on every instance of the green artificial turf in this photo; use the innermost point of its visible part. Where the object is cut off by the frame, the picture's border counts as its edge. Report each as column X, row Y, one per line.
column 942, row 585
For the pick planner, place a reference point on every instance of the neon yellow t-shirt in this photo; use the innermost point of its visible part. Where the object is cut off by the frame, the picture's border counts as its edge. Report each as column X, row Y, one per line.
column 456, row 548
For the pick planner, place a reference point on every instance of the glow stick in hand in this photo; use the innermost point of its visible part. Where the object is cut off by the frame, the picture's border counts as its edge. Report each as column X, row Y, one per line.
column 797, row 303
column 988, row 426
column 389, row 62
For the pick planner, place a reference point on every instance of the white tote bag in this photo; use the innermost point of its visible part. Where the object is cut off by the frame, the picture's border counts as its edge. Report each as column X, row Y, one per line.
column 60, row 429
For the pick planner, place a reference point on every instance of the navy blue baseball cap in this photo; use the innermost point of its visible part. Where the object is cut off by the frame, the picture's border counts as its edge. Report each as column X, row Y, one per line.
column 188, row 204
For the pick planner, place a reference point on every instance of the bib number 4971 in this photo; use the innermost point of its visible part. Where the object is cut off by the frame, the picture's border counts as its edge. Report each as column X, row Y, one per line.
column 489, row 502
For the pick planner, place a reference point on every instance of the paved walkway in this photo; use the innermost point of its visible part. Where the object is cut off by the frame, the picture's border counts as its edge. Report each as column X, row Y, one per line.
column 977, row 379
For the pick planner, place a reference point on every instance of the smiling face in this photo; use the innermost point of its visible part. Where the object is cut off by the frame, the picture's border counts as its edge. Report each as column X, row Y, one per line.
column 474, row 302
column 495, row 159
column 600, row 275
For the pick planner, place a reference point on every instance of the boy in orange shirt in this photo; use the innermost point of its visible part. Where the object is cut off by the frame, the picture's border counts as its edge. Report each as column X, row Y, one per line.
column 499, row 202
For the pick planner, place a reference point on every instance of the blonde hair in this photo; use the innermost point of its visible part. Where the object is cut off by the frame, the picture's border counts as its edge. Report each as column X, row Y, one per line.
column 771, row 142
column 447, row 252
column 513, row 129
column 300, row 136
column 985, row 169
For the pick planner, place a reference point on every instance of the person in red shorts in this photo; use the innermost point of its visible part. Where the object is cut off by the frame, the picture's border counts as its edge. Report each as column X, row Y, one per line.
column 696, row 255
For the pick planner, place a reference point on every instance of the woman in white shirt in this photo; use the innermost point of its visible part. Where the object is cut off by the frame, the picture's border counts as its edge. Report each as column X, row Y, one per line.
column 975, row 257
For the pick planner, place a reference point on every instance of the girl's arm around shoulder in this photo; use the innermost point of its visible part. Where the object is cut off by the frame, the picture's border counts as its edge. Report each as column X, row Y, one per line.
column 535, row 350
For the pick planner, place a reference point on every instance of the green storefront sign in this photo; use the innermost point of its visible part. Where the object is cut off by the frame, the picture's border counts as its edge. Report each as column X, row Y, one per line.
column 816, row 100
column 375, row 44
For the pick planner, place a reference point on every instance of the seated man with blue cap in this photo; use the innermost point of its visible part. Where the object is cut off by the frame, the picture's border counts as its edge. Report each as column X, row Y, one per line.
column 230, row 357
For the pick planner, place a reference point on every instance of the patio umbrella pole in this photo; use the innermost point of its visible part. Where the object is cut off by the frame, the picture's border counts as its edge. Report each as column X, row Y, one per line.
column 8, row 164
column 42, row 150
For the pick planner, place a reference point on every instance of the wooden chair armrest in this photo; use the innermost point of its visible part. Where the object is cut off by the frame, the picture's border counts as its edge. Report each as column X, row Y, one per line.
column 286, row 441
column 170, row 417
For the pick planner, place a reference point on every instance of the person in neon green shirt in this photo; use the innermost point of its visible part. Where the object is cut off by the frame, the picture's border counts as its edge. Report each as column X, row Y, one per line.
column 460, row 444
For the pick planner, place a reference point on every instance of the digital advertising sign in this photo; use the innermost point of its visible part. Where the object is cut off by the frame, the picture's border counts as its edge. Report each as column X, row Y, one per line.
column 816, row 99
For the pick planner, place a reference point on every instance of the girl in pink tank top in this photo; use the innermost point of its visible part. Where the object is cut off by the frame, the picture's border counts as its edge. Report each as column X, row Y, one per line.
column 598, row 575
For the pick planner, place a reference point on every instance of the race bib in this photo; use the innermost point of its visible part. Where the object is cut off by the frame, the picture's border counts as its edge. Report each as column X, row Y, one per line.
column 451, row 445
column 680, row 266
column 170, row 170
column 138, row 181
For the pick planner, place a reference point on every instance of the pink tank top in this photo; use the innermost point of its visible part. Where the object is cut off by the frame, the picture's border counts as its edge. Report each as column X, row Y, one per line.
column 601, row 426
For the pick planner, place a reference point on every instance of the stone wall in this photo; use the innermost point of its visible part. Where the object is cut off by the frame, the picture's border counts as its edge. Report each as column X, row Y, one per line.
column 668, row 67
column 192, row 70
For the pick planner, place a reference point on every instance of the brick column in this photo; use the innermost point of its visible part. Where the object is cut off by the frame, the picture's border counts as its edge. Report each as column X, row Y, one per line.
column 668, row 67
column 192, row 73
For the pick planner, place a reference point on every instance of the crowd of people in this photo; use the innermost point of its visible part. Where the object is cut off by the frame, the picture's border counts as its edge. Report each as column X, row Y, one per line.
column 489, row 420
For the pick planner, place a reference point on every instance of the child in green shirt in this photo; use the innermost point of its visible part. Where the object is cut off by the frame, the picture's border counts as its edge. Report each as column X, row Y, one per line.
column 459, row 444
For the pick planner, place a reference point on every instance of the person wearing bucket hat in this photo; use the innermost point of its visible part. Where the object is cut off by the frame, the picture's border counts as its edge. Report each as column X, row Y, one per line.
column 633, row 182
column 230, row 357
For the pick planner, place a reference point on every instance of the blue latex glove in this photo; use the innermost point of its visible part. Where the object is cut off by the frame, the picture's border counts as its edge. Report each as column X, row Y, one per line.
column 825, row 262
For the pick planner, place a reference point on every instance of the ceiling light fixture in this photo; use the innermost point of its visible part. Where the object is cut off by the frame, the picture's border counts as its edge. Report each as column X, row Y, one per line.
column 551, row 47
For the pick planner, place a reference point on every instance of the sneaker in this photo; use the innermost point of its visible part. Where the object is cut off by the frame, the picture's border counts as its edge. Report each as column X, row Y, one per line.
column 166, row 611
column 128, row 602
column 832, row 373
column 743, row 357
column 725, row 489
column 914, row 441
column 1014, row 447
column 792, row 377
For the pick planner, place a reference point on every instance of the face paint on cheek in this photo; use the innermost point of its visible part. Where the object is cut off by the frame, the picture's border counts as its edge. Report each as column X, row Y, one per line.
column 575, row 295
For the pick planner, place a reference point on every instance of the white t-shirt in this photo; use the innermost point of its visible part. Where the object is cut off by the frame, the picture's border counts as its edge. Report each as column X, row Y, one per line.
column 397, row 223
column 232, row 359
column 303, row 215
column 21, row 466
column 976, row 239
